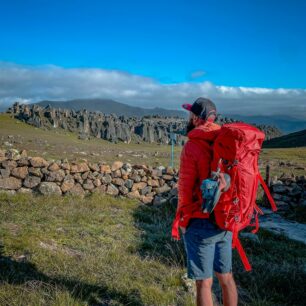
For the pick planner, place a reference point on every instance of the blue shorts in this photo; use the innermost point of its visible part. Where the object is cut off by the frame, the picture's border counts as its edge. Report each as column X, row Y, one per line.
column 208, row 249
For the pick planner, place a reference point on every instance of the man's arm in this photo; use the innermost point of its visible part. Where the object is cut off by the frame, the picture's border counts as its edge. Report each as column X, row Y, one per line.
column 186, row 182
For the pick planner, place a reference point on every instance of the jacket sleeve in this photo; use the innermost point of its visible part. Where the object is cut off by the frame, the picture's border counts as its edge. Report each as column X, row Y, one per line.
column 187, row 179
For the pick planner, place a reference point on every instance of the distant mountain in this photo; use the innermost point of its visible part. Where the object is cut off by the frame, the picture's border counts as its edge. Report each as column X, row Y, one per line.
column 112, row 107
column 284, row 123
column 297, row 139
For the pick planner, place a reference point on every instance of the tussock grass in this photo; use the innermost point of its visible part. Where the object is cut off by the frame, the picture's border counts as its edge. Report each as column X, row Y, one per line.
column 102, row 250
column 72, row 251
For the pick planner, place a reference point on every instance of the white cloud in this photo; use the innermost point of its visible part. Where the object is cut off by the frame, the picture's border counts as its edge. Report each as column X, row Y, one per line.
column 32, row 84
column 197, row 74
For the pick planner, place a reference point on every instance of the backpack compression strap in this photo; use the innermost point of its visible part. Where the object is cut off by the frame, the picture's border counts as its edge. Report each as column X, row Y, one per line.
column 236, row 244
column 242, row 255
column 266, row 189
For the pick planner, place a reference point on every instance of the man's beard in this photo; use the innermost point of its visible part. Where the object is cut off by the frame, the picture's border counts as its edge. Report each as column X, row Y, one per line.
column 190, row 126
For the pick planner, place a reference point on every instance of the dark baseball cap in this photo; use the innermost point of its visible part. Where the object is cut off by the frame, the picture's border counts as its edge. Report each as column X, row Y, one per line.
column 202, row 108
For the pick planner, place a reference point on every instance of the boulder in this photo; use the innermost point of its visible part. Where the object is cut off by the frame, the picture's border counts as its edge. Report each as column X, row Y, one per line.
column 279, row 188
column 31, row 181
column 117, row 165
column 12, row 154
column 77, row 189
column 146, row 199
column 9, row 164
column 170, row 170
column 167, row 177
column 94, row 167
column 88, row 185
column 153, row 183
column 67, row 184
column 105, row 169
column 65, row 166
column 100, row 189
column 20, row 172
column 135, row 177
column 145, row 190
column 55, row 176
column 10, row 183
column 53, row 167
column 23, row 161
column 97, row 182
column 79, row 168
column 159, row 200
column 163, row 189
column 23, row 153
column 116, row 173
column 107, row 179
column 133, row 194
column 138, row 186
column 129, row 183
column 38, row 162
column 48, row 188
column 123, row 190
column 5, row 173
column 112, row 189
column 118, row 181
column 37, row 171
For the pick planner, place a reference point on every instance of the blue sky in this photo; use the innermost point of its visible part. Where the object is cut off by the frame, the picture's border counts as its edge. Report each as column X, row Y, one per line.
column 251, row 43
column 248, row 56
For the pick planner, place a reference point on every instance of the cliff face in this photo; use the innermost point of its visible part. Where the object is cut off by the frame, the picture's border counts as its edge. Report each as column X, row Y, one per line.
column 152, row 129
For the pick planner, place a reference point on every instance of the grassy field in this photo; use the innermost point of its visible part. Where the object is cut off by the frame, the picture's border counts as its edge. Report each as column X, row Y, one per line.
column 102, row 250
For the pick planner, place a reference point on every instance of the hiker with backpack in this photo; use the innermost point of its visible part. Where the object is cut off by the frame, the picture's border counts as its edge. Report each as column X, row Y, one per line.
column 208, row 248
column 218, row 180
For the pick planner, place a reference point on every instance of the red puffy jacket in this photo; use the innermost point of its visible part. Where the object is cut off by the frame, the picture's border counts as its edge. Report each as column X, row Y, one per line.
column 195, row 163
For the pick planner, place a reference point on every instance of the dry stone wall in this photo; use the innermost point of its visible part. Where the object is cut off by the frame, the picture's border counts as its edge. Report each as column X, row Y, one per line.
column 20, row 173
column 289, row 191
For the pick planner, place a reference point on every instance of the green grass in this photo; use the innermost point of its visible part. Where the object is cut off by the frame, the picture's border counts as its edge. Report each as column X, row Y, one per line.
column 80, row 252
column 102, row 250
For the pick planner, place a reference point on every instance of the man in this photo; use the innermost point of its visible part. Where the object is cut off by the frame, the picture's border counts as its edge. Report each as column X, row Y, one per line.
column 208, row 248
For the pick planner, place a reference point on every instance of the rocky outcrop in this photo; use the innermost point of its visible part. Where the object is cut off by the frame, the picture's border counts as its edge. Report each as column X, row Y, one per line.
column 95, row 124
column 152, row 129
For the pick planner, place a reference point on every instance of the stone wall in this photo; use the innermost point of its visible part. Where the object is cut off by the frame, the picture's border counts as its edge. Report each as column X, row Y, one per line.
column 20, row 173
column 289, row 191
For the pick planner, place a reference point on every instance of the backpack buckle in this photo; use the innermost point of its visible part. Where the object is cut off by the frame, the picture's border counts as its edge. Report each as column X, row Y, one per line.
column 236, row 201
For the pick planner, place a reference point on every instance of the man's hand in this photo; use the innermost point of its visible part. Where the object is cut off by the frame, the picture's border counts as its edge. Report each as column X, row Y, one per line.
column 183, row 229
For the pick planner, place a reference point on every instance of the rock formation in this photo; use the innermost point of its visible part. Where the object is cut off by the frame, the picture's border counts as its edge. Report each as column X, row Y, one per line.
column 152, row 129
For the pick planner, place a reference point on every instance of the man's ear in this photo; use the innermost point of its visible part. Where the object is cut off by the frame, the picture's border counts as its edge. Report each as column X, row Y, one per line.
column 197, row 120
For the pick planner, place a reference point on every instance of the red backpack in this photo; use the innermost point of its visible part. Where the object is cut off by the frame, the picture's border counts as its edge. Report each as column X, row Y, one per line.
column 235, row 152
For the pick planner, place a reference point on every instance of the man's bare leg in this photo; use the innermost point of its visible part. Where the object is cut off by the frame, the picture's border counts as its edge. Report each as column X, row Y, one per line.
column 229, row 289
column 204, row 297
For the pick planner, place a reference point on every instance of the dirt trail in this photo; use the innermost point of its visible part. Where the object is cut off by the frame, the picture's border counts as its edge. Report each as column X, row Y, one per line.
column 277, row 224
